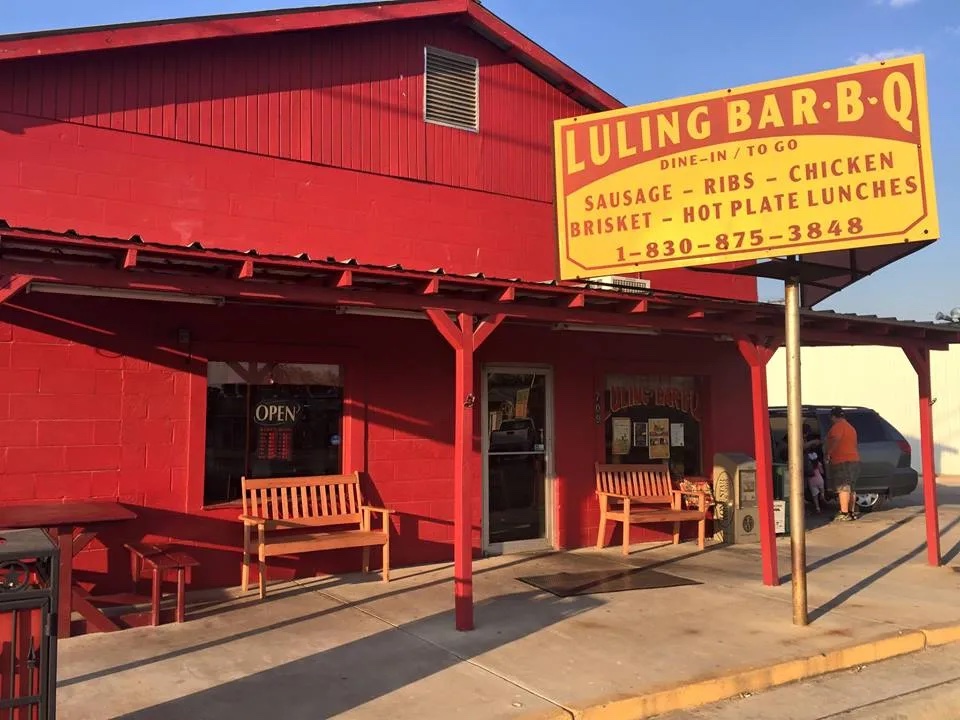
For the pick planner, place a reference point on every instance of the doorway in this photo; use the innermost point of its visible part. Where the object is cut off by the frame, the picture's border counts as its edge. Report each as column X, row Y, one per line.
column 517, row 459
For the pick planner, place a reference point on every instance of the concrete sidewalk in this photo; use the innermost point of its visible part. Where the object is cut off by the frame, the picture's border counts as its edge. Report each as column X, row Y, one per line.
column 355, row 648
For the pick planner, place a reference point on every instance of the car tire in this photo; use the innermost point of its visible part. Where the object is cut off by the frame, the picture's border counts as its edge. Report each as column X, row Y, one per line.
column 868, row 502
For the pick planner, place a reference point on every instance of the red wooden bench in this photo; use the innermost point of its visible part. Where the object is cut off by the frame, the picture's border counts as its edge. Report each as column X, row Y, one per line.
column 644, row 495
column 160, row 561
column 307, row 514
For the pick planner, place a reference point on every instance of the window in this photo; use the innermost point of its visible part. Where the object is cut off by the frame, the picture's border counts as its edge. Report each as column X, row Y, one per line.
column 270, row 420
column 654, row 419
column 452, row 89
column 869, row 426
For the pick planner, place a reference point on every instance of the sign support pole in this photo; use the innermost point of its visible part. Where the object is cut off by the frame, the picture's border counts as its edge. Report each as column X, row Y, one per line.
column 798, row 539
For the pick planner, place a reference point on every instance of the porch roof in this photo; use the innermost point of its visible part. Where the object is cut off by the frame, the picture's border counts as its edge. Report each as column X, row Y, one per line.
column 29, row 257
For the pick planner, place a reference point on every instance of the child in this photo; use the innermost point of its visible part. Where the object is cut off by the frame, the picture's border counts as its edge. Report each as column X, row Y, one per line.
column 815, row 478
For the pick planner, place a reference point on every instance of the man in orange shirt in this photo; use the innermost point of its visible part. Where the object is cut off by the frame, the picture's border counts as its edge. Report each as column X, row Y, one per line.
column 843, row 461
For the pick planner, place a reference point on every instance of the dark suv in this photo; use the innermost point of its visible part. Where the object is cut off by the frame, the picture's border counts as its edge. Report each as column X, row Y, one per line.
column 885, row 470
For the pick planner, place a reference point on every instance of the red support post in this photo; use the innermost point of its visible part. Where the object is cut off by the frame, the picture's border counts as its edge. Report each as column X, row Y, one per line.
column 920, row 359
column 757, row 356
column 464, row 340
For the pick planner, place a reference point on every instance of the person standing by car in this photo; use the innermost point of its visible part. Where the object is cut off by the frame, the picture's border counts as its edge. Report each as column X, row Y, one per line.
column 843, row 462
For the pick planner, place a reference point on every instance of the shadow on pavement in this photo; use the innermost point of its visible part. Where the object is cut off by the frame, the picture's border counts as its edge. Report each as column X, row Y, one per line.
column 847, row 551
column 229, row 606
column 345, row 677
column 866, row 582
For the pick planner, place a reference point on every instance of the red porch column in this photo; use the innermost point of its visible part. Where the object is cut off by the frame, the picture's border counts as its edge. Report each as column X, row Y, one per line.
column 757, row 356
column 464, row 340
column 919, row 357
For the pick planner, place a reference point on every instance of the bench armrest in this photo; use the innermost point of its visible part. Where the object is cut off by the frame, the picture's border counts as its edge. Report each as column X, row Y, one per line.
column 366, row 512
column 698, row 494
column 374, row 508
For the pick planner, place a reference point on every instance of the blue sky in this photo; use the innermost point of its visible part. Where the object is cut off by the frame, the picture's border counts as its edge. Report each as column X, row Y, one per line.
column 645, row 50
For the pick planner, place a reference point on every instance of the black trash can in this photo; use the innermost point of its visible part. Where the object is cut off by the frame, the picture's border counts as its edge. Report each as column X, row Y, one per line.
column 29, row 563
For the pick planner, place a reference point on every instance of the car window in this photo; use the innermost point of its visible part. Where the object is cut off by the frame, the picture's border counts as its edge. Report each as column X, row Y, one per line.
column 515, row 424
column 869, row 426
column 892, row 432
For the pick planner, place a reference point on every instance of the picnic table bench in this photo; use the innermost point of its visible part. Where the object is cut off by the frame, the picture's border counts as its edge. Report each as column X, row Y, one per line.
column 643, row 495
column 308, row 514
column 160, row 561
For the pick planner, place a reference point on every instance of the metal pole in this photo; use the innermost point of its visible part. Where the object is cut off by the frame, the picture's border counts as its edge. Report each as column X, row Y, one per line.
column 798, row 546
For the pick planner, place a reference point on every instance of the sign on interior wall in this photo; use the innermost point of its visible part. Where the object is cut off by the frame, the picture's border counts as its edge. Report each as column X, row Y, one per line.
column 829, row 161
column 626, row 392
column 276, row 413
column 640, row 434
column 621, row 436
column 658, row 436
column 676, row 435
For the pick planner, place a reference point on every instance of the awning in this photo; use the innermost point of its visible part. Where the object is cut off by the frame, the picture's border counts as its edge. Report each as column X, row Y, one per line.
column 34, row 260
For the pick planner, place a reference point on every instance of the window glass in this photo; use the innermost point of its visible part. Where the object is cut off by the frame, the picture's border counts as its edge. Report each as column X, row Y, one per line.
column 868, row 425
column 270, row 420
column 654, row 419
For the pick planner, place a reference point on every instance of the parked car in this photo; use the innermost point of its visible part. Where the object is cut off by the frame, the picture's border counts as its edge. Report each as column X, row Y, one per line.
column 515, row 435
column 885, row 470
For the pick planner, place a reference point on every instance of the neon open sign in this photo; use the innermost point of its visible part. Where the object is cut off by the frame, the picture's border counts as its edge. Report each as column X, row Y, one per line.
column 276, row 412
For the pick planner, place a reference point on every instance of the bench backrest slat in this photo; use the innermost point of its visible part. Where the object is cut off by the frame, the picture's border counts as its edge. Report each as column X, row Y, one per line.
column 650, row 482
column 315, row 500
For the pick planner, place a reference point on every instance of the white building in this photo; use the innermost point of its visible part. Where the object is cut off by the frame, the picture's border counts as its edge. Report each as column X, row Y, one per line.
column 883, row 379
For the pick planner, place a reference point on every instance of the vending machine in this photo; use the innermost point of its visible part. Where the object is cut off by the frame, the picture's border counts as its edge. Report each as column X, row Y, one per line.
column 735, row 491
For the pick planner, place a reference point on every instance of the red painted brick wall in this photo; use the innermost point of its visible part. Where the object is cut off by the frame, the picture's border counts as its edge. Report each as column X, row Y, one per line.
column 105, row 411
column 97, row 400
column 62, row 176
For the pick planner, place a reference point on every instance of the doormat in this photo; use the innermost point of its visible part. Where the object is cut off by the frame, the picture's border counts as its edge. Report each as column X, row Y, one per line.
column 605, row 581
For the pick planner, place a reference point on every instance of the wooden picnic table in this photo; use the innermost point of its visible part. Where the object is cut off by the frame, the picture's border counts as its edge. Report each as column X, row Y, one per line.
column 72, row 525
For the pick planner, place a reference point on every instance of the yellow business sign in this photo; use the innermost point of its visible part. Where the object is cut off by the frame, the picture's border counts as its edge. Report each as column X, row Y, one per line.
column 829, row 161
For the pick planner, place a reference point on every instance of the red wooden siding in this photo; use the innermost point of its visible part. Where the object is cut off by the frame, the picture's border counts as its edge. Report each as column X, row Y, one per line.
column 345, row 97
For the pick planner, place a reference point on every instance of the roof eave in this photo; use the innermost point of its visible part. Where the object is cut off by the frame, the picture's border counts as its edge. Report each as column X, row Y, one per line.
column 157, row 32
column 143, row 34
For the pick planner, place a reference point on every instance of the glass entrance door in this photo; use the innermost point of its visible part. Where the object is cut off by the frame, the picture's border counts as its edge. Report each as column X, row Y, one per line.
column 518, row 427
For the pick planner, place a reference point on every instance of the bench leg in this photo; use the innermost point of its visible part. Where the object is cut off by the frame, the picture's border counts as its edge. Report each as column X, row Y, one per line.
column 366, row 559
column 181, row 592
column 676, row 533
column 602, row 532
column 702, row 533
column 155, row 598
column 386, row 560
column 245, row 568
column 625, row 550
column 262, row 562
column 135, row 570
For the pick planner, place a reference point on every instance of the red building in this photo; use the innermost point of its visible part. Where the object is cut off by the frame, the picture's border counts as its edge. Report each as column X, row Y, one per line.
column 213, row 220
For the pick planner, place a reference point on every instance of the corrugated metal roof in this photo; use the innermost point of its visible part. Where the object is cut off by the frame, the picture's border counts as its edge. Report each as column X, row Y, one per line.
column 31, row 251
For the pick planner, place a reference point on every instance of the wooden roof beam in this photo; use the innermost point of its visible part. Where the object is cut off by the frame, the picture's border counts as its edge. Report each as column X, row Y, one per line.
column 13, row 285
column 130, row 259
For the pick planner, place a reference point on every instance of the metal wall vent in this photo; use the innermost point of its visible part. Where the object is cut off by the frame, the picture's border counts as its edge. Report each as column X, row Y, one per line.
column 452, row 92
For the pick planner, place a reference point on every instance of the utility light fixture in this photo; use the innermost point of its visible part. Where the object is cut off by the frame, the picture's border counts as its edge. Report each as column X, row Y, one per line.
column 130, row 294
column 377, row 312
column 953, row 317
column 606, row 329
